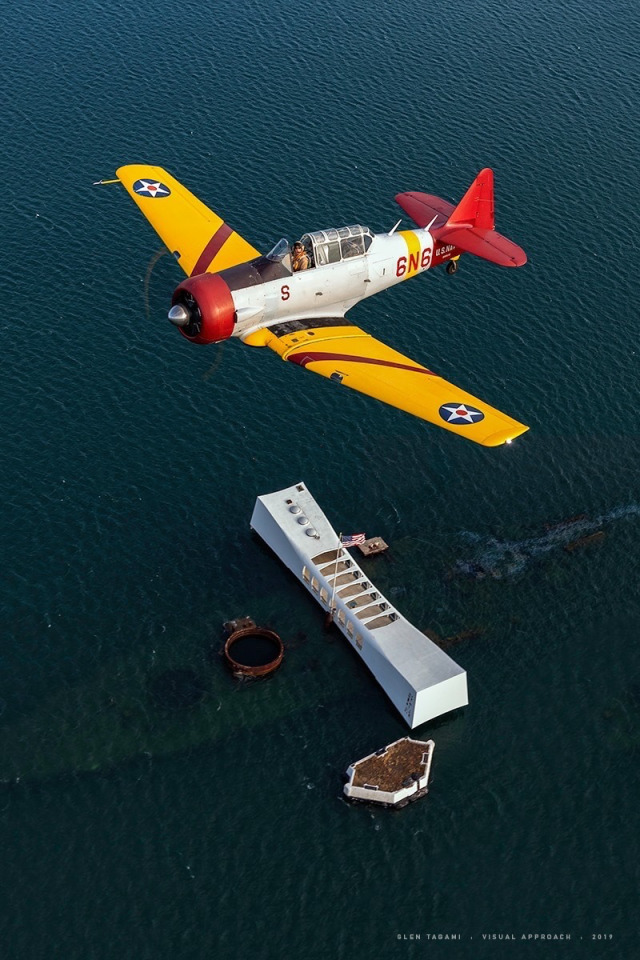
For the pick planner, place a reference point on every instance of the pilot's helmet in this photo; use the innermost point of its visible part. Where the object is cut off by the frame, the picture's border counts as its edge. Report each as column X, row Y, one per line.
column 298, row 246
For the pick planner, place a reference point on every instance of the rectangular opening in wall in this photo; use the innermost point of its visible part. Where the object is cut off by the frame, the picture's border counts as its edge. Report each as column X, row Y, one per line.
column 327, row 556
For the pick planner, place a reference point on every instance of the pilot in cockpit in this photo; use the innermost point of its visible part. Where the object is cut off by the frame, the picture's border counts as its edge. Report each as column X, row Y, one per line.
column 299, row 258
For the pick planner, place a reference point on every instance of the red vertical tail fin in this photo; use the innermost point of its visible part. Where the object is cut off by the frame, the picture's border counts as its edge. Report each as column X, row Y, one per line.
column 469, row 227
column 476, row 209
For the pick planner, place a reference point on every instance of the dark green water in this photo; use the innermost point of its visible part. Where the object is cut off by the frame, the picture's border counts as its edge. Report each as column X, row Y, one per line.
column 132, row 460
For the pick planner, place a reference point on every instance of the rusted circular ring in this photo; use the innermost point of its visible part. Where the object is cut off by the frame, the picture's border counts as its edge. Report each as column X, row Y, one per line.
column 254, row 670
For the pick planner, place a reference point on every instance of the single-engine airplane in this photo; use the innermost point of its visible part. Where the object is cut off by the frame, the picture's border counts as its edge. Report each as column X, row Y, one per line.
column 295, row 300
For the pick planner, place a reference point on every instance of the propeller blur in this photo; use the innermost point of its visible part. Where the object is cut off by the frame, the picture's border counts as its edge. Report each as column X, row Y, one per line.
column 295, row 298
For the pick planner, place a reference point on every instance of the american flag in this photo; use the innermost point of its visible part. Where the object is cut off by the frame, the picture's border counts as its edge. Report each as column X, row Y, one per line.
column 353, row 539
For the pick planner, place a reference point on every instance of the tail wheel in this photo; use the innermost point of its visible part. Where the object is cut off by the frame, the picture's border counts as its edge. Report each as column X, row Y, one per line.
column 452, row 267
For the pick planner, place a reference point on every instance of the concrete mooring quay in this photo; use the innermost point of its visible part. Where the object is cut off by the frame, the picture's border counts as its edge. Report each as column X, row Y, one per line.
column 393, row 776
column 420, row 679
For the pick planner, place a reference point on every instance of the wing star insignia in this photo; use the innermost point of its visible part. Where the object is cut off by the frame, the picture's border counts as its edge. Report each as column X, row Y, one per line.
column 151, row 188
column 233, row 290
column 460, row 413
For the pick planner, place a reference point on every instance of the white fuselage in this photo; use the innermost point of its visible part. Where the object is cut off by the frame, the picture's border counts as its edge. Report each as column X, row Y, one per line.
column 332, row 289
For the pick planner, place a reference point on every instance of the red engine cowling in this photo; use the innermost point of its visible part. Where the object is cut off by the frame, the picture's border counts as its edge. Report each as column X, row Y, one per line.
column 210, row 308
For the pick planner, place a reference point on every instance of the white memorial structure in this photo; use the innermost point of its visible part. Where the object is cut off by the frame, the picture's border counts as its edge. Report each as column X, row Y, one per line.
column 419, row 678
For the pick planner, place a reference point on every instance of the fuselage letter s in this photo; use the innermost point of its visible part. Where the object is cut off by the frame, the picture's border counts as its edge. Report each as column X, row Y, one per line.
column 285, row 293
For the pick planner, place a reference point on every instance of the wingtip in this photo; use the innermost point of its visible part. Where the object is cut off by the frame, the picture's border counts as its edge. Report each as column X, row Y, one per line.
column 518, row 256
column 504, row 436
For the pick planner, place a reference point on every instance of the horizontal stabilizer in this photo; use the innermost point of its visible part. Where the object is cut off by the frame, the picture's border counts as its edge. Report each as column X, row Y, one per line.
column 488, row 244
column 423, row 207
column 470, row 226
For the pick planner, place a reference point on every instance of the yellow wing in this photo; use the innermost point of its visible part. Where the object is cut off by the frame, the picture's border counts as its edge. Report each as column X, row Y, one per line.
column 348, row 355
column 199, row 239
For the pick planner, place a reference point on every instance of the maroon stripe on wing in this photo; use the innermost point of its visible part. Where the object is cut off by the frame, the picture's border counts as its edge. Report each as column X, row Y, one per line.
column 212, row 249
column 304, row 358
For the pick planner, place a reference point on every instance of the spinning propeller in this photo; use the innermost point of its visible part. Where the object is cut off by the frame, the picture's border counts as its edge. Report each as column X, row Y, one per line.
column 186, row 315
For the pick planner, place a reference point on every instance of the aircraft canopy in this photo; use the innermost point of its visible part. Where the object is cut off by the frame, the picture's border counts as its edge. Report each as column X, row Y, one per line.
column 332, row 246
column 279, row 251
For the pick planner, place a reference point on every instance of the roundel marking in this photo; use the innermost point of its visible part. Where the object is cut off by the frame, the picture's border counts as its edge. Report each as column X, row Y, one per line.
column 460, row 414
column 151, row 188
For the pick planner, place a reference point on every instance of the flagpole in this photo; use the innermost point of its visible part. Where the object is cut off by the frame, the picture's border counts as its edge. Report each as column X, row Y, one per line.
column 332, row 604
column 335, row 575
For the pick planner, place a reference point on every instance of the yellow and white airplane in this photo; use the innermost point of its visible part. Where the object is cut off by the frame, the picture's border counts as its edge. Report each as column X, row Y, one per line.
column 295, row 300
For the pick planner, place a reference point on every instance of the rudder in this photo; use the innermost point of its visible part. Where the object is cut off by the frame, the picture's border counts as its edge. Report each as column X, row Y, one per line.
column 476, row 209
